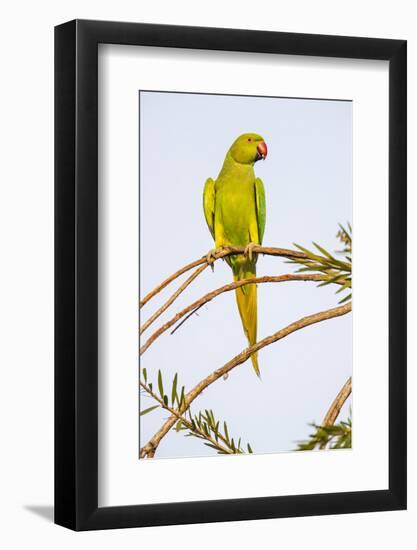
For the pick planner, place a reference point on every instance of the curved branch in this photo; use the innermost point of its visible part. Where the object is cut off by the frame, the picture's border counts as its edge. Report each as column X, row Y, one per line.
column 226, row 288
column 337, row 404
column 226, row 251
column 193, row 428
column 171, row 278
column 172, row 298
column 150, row 447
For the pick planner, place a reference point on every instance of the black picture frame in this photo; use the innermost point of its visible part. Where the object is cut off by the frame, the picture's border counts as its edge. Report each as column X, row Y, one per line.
column 76, row 272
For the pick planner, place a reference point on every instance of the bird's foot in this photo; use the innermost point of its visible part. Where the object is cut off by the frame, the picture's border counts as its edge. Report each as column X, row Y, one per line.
column 212, row 256
column 249, row 250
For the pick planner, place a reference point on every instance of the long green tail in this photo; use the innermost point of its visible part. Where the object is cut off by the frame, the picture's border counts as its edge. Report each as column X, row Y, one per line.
column 247, row 302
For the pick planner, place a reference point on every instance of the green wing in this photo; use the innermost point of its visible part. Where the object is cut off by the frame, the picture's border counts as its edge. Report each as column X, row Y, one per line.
column 209, row 200
column 260, row 207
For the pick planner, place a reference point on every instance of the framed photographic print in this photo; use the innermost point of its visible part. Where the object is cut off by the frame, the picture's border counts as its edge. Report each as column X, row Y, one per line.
column 219, row 194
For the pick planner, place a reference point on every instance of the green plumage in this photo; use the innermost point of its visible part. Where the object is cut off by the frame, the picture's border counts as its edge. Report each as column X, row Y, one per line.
column 234, row 208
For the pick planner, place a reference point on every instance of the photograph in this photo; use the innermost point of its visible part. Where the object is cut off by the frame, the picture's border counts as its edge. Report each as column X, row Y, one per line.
column 245, row 266
column 186, row 189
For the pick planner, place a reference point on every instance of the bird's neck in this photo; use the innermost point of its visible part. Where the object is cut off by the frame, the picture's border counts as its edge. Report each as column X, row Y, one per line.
column 230, row 166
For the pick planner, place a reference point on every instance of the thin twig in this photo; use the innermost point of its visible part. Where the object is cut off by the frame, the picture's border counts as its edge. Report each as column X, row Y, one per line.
column 171, row 278
column 226, row 251
column 174, row 330
column 226, row 288
column 150, row 447
column 337, row 404
column 172, row 298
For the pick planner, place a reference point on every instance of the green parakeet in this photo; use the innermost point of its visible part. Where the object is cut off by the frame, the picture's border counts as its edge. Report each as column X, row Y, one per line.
column 234, row 208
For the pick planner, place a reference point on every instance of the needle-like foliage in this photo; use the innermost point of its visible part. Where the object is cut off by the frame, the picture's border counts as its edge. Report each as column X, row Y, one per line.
column 338, row 436
column 202, row 425
column 334, row 269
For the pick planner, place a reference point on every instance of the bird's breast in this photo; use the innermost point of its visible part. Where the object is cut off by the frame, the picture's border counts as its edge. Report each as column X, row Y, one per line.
column 235, row 210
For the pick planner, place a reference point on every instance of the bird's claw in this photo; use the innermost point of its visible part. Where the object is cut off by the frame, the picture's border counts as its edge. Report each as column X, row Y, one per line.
column 212, row 256
column 249, row 250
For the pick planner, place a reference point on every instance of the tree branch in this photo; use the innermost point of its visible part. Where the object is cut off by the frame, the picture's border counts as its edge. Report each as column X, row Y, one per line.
column 226, row 251
column 337, row 404
column 150, row 447
column 226, row 288
column 189, row 425
column 172, row 298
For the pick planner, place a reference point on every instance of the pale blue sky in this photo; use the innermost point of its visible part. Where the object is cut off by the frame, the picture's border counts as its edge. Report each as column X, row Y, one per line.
column 308, row 185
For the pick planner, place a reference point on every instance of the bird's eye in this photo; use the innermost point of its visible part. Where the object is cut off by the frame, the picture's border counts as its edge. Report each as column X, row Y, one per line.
column 249, row 139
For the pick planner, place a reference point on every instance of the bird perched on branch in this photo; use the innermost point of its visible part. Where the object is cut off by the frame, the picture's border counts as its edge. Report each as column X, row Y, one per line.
column 234, row 208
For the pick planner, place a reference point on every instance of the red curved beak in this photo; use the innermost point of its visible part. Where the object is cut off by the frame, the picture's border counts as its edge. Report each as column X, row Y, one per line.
column 262, row 149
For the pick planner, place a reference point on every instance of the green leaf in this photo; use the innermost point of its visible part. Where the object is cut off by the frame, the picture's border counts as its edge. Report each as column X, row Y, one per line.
column 174, row 396
column 323, row 251
column 337, row 278
column 182, row 399
column 302, row 248
column 249, row 449
column 343, row 287
column 212, row 446
column 145, row 375
column 216, row 431
column 345, row 299
column 160, row 384
column 148, row 410
column 313, row 256
column 226, row 433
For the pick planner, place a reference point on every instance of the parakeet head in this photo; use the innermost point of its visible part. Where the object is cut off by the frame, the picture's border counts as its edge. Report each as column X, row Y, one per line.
column 248, row 148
